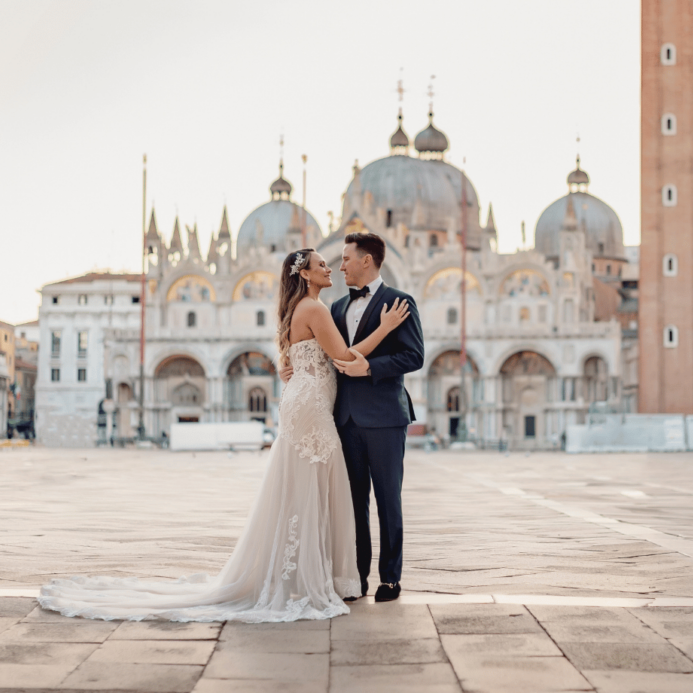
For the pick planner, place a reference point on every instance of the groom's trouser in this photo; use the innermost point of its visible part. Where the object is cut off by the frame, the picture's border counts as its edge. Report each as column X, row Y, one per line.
column 377, row 454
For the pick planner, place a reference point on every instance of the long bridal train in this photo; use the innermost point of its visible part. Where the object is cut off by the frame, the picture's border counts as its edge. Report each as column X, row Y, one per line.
column 296, row 557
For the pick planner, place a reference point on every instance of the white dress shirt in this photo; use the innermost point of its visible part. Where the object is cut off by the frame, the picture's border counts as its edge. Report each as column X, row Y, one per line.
column 357, row 308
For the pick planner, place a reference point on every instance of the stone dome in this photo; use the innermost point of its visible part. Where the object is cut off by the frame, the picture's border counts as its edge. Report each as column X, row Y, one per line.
column 273, row 220
column 602, row 227
column 431, row 139
column 399, row 184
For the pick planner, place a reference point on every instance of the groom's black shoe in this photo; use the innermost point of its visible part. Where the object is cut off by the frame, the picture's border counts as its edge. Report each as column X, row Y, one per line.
column 388, row 592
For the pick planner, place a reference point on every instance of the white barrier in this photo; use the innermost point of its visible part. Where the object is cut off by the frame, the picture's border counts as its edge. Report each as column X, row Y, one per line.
column 631, row 433
column 217, row 436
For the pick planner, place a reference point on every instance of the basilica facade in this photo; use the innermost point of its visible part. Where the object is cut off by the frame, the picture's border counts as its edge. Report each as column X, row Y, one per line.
column 540, row 350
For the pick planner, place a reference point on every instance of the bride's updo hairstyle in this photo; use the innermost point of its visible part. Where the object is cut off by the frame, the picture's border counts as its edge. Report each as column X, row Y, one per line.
column 292, row 289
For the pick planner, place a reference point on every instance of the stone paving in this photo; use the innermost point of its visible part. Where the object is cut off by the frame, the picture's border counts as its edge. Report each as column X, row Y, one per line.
column 539, row 572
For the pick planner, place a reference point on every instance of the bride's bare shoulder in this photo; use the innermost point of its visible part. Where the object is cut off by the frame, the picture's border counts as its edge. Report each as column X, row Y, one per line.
column 310, row 307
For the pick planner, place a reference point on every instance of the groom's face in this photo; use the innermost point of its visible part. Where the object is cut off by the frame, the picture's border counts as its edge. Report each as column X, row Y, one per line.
column 354, row 264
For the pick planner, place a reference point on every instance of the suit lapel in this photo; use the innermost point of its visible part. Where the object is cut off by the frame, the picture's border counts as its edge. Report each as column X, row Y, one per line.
column 376, row 300
column 342, row 320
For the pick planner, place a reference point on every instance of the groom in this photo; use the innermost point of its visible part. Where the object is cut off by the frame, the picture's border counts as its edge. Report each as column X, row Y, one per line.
column 373, row 410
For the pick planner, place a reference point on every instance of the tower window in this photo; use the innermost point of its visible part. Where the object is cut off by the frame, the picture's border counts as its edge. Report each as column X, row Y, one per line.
column 192, row 319
column 82, row 299
column 669, row 196
column 55, row 375
column 608, row 269
column 671, row 336
column 452, row 316
column 82, row 375
column 668, row 124
column 670, row 265
column 600, row 246
column 260, row 318
column 56, row 300
column 108, row 299
column 668, row 54
column 433, row 240
column 135, row 299
column 388, row 218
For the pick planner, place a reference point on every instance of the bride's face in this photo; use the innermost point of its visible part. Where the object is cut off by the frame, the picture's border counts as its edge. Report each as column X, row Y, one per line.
column 318, row 273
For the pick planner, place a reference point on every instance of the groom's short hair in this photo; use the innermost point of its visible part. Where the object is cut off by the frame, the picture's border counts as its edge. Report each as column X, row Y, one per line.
column 369, row 244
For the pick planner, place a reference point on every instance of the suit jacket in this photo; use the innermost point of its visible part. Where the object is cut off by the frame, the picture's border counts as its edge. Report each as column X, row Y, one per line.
column 380, row 400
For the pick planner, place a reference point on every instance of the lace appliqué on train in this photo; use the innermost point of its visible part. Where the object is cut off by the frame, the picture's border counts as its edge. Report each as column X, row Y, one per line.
column 307, row 403
column 288, row 566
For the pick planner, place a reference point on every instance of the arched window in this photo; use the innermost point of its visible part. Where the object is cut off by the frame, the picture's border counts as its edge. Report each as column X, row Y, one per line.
column 260, row 318
column 257, row 400
column 669, row 196
column 670, row 265
column 668, row 54
column 668, row 124
column 454, row 399
column 671, row 336
column 192, row 318
column 452, row 316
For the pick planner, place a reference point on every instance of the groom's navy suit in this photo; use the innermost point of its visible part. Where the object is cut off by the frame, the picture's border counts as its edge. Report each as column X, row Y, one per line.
column 372, row 414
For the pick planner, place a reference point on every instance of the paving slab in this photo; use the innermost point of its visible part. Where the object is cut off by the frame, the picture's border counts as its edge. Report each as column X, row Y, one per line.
column 631, row 657
column 419, row 651
column 486, row 619
column 298, row 641
column 501, row 674
column 31, row 676
column 523, row 644
column 266, row 686
column 228, row 663
column 155, row 651
column 163, row 630
column 152, row 678
column 583, row 614
column 388, row 621
column 71, row 630
column 16, row 607
column 8, row 622
column 397, row 678
column 639, row 682
column 67, row 654
column 602, row 632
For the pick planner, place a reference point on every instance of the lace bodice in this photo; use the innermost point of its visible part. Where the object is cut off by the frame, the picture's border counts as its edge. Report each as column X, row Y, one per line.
column 305, row 410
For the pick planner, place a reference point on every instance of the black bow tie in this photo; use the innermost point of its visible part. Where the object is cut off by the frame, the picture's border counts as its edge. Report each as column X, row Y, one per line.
column 358, row 293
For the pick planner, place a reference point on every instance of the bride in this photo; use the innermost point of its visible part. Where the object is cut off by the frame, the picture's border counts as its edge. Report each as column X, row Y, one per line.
column 296, row 557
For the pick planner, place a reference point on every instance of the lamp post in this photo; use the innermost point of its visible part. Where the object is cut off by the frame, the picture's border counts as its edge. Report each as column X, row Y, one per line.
column 462, row 424
column 143, row 298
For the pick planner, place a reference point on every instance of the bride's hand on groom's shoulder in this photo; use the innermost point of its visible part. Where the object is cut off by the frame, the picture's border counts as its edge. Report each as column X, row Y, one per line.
column 285, row 373
column 393, row 318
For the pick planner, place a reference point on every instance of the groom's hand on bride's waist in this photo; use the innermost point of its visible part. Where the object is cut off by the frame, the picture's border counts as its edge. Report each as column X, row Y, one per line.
column 354, row 369
column 285, row 373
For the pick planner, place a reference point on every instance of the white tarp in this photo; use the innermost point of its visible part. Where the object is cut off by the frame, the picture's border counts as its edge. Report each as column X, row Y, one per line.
column 217, row 436
column 630, row 433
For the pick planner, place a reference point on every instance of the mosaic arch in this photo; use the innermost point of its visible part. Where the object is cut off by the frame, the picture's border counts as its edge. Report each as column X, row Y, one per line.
column 179, row 366
column 446, row 284
column 191, row 289
column 525, row 282
column 527, row 363
column 257, row 285
column 448, row 363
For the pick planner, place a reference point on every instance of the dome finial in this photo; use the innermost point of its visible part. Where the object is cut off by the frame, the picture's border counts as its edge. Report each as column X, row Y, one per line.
column 578, row 180
column 399, row 142
column 281, row 188
column 431, row 143
column 431, row 94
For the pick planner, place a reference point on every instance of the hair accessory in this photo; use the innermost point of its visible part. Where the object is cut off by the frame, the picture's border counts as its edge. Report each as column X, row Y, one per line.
column 296, row 267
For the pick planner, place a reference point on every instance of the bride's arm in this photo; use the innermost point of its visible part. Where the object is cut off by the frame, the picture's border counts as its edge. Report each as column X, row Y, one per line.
column 330, row 339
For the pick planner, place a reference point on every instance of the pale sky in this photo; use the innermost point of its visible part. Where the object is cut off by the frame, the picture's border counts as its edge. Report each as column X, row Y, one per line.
column 206, row 87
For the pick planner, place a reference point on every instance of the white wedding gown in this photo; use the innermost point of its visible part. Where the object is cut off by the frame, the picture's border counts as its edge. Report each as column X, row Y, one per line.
column 296, row 557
